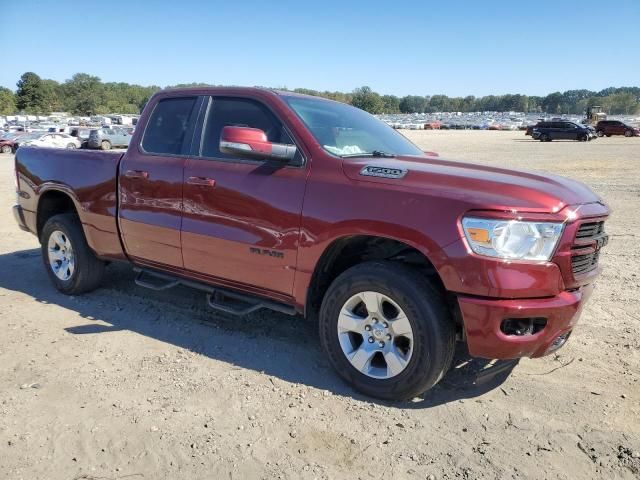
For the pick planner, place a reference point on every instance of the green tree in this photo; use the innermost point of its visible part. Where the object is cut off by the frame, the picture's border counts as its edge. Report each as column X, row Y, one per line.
column 31, row 94
column 440, row 103
column 7, row 101
column 53, row 96
column 552, row 103
column 413, row 104
column 391, row 104
column 85, row 93
column 367, row 100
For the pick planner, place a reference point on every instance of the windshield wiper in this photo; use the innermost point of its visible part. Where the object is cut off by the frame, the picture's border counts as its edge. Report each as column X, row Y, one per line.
column 375, row 153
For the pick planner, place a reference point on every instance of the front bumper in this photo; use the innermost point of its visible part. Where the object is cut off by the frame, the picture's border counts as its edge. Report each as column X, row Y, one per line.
column 483, row 318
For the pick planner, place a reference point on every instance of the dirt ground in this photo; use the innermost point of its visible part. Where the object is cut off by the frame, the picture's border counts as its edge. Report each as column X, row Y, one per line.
column 129, row 383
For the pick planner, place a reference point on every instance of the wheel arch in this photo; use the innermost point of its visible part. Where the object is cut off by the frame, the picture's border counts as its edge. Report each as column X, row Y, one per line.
column 347, row 251
column 51, row 202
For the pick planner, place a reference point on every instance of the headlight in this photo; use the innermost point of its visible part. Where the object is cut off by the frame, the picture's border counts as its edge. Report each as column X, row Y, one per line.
column 512, row 239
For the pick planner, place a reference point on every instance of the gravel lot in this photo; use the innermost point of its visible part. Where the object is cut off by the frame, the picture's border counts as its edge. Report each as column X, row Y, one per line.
column 129, row 383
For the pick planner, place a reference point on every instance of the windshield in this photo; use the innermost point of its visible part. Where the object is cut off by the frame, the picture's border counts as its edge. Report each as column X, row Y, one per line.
column 346, row 131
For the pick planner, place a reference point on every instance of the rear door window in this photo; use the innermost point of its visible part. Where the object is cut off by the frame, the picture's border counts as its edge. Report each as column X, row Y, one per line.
column 166, row 130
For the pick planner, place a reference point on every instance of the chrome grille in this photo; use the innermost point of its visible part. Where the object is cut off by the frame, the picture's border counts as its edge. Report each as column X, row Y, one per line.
column 589, row 230
column 590, row 236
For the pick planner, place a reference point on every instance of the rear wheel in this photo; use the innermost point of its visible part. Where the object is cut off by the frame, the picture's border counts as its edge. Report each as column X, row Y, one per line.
column 105, row 145
column 386, row 330
column 628, row 133
column 72, row 266
column 6, row 149
column 600, row 133
column 71, row 146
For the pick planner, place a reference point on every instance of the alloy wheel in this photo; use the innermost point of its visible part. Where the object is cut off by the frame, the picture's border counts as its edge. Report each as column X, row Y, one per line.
column 61, row 256
column 375, row 335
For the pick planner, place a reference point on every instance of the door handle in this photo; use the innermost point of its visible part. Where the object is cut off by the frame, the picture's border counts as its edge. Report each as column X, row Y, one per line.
column 136, row 174
column 203, row 181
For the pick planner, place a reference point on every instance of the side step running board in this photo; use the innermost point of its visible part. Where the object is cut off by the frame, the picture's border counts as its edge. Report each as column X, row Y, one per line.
column 222, row 300
column 157, row 286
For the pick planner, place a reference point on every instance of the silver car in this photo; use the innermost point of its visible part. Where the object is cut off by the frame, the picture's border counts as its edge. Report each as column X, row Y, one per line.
column 107, row 138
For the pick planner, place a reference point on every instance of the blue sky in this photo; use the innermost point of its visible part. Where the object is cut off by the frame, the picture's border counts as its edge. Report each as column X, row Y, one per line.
column 402, row 47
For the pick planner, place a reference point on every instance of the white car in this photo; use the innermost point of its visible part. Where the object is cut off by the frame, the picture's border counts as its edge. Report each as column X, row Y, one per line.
column 53, row 140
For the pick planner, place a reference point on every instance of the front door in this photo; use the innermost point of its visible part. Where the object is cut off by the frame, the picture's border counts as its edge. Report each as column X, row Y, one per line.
column 242, row 217
column 572, row 132
column 151, row 184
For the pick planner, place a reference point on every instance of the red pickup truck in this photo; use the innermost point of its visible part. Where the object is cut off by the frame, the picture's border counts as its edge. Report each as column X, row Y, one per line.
column 266, row 199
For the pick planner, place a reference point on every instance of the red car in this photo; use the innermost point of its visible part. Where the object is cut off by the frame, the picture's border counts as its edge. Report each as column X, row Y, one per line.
column 8, row 142
column 266, row 199
column 616, row 127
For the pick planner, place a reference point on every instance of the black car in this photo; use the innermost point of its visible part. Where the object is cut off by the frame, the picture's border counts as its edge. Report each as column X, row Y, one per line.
column 547, row 131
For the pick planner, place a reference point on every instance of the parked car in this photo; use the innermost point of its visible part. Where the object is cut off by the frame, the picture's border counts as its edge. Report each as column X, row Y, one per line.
column 107, row 138
column 7, row 141
column 548, row 131
column 52, row 140
column 394, row 252
column 11, row 141
column 616, row 127
column 81, row 134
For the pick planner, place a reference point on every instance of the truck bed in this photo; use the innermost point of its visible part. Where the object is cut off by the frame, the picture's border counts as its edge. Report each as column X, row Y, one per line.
column 88, row 178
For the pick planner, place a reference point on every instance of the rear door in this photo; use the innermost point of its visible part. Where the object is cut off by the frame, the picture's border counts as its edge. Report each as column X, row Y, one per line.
column 555, row 130
column 150, row 183
column 618, row 128
column 242, row 217
column 121, row 136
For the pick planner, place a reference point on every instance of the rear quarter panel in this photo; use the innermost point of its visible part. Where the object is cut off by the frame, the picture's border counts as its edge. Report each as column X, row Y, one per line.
column 88, row 178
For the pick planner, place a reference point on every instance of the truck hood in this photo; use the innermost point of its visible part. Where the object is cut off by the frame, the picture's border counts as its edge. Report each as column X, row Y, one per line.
column 483, row 187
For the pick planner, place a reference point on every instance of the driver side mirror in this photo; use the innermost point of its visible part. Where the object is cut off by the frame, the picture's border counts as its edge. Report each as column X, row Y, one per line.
column 252, row 143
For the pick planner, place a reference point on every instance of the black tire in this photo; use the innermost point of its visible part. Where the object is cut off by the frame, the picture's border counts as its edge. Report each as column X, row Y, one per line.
column 628, row 133
column 105, row 145
column 6, row 149
column 600, row 133
column 584, row 138
column 88, row 269
column 608, row 135
column 424, row 305
column 71, row 146
column 544, row 138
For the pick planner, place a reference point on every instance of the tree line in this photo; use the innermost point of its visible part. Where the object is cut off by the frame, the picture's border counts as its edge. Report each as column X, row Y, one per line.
column 86, row 95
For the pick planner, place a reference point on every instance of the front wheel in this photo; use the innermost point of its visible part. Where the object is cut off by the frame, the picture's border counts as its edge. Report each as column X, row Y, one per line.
column 628, row 133
column 71, row 146
column 71, row 264
column 600, row 133
column 105, row 145
column 386, row 330
column 6, row 149
column 545, row 138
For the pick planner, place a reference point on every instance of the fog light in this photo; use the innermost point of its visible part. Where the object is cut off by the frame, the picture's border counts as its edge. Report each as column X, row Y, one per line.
column 521, row 327
column 559, row 341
